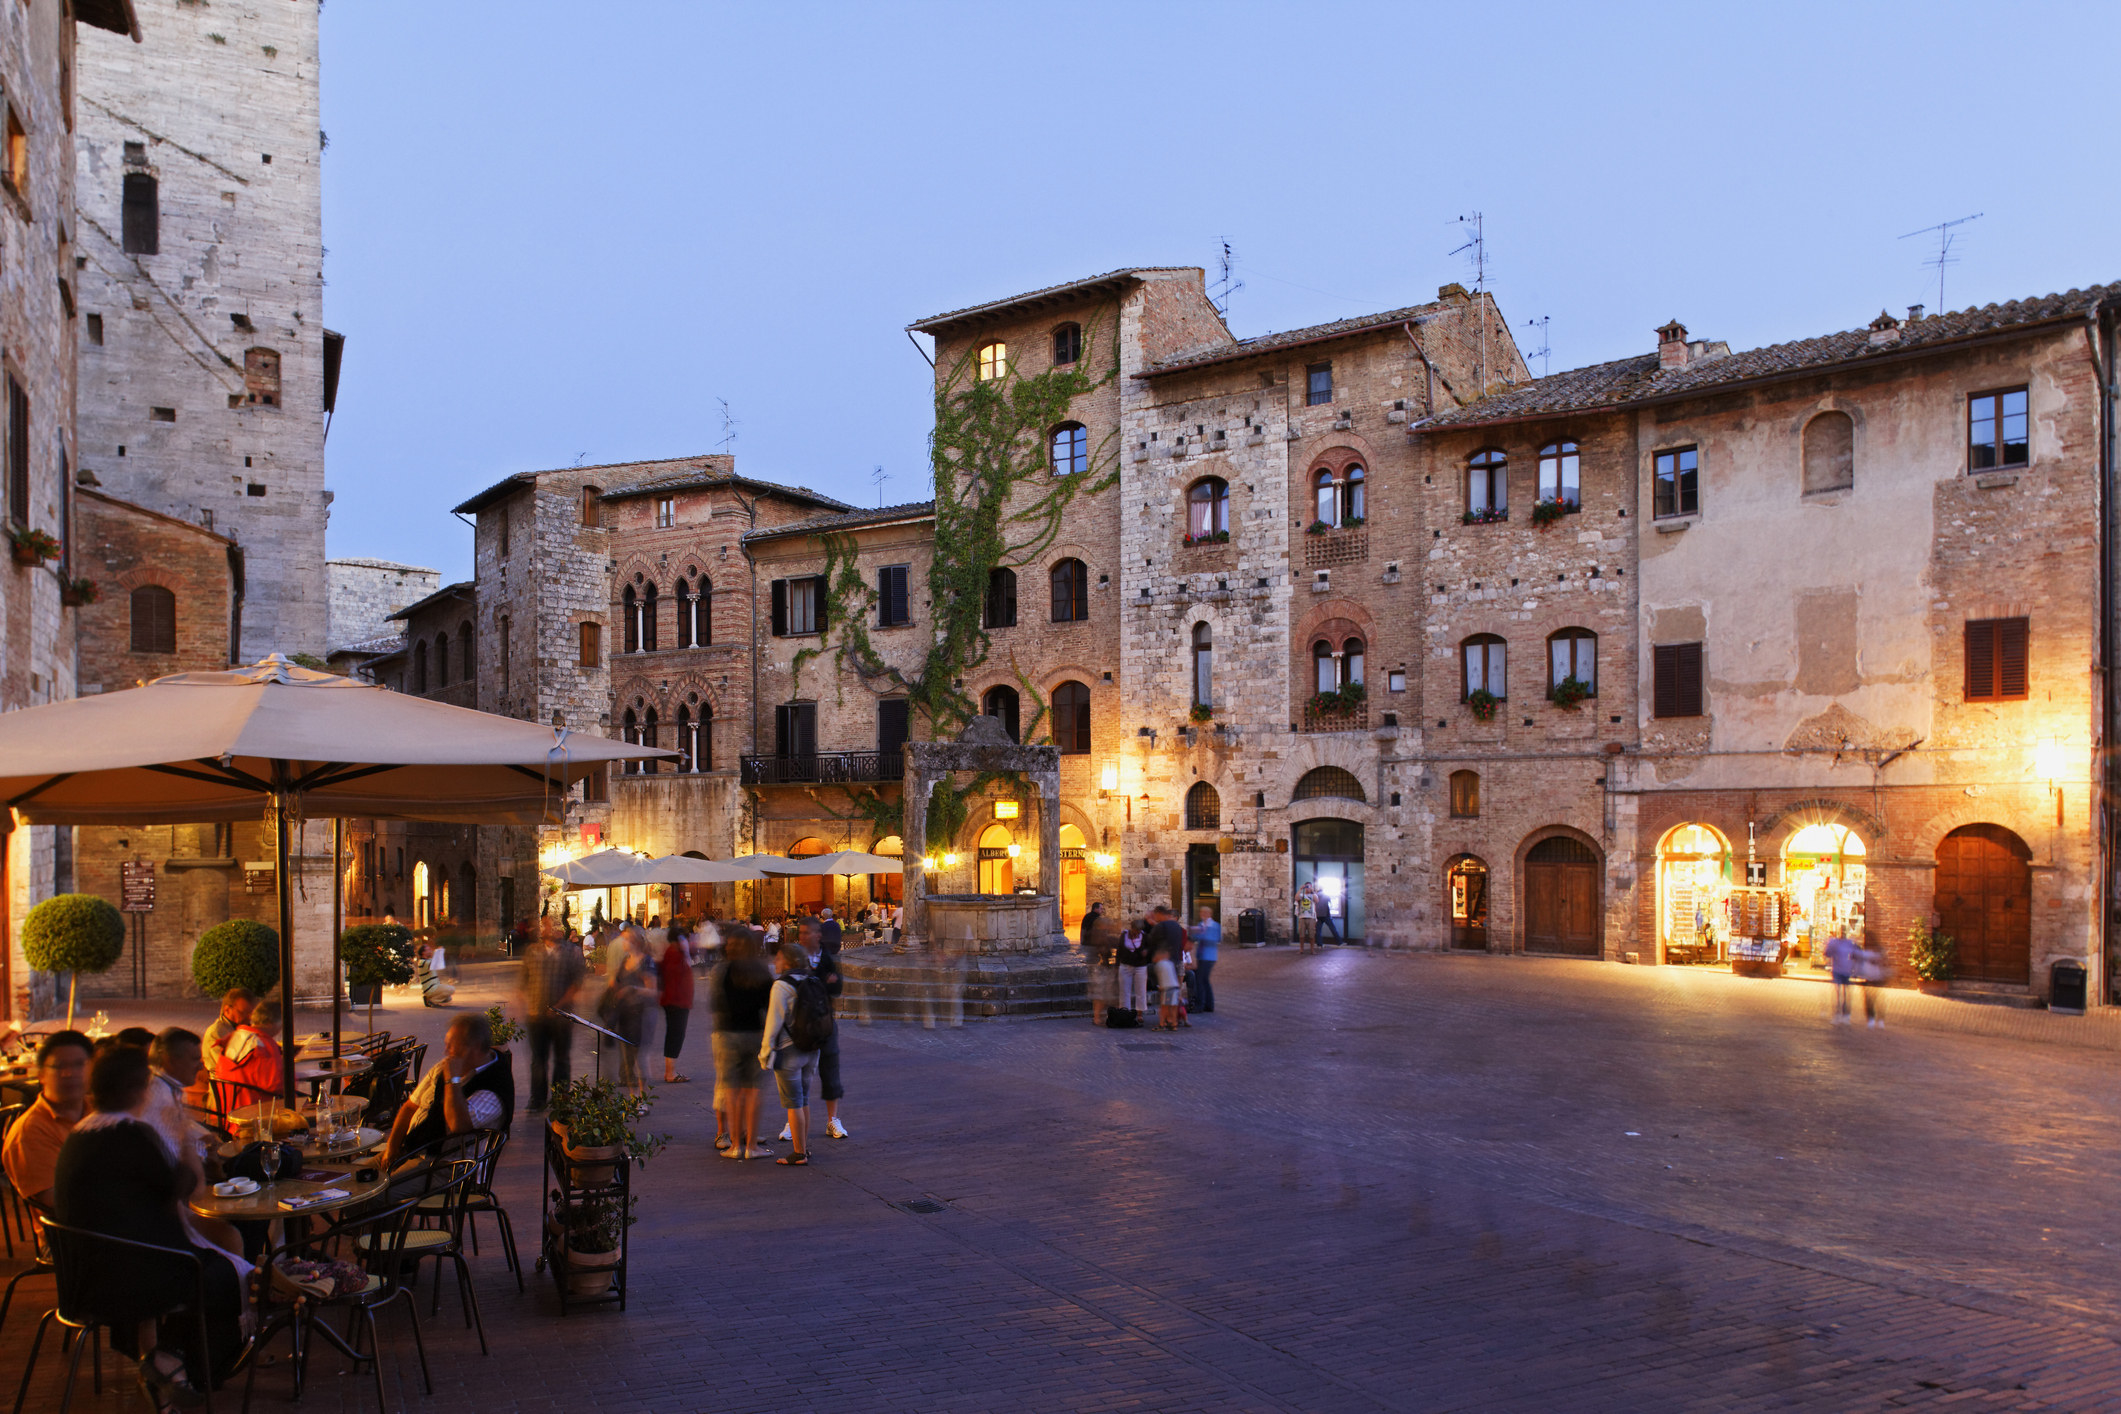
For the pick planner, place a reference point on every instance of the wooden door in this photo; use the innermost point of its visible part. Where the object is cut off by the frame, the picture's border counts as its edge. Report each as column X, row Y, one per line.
column 1561, row 898
column 1985, row 901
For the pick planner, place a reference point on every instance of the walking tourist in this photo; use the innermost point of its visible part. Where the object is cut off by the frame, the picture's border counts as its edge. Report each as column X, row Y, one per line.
column 798, row 1023
column 552, row 974
column 821, row 943
column 674, row 977
column 1134, row 968
column 1325, row 917
column 1870, row 964
column 1100, row 945
column 1307, row 918
column 1207, row 941
column 31, row 1148
column 1167, row 950
column 737, row 993
column 1841, row 958
column 630, row 992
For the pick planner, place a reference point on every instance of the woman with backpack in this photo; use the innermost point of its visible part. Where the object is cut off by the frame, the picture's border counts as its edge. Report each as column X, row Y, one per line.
column 798, row 1024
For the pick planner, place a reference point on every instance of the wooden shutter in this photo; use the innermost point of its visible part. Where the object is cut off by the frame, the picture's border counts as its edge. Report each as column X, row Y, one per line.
column 893, row 717
column 2011, row 667
column 818, row 612
column 1996, row 660
column 883, row 597
column 1676, row 685
column 780, row 608
column 1980, row 660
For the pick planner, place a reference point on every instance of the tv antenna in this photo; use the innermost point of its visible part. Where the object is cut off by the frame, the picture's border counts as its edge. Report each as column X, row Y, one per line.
column 1225, row 285
column 1476, row 250
column 880, row 476
column 1543, row 351
column 1944, row 256
column 729, row 425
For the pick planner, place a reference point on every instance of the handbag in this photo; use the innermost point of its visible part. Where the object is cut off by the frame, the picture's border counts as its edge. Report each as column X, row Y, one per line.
column 266, row 1161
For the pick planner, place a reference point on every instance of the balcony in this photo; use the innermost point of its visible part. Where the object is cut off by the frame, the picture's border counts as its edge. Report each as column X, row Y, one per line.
column 829, row 768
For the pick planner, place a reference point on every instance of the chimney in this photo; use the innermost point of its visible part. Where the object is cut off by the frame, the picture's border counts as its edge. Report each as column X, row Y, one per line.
column 1884, row 330
column 1453, row 293
column 1914, row 313
column 1671, row 346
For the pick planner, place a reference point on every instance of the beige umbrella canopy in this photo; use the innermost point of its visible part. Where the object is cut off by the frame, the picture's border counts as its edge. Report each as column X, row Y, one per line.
column 843, row 861
column 280, row 739
column 606, row 869
column 684, row 869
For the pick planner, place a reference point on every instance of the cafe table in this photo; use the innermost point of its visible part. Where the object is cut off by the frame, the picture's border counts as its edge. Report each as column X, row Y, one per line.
column 316, row 1074
column 366, row 1141
column 264, row 1205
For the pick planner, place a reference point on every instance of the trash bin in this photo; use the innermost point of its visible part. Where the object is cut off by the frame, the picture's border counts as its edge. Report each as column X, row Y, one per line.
column 1252, row 928
column 2066, row 987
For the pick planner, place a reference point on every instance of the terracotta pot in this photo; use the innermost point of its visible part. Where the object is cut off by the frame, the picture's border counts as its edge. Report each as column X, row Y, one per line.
column 24, row 555
column 589, row 1273
column 593, row 1165
column 1932, row 989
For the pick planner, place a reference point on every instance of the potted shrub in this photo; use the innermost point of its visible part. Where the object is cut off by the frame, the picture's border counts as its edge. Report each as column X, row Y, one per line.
column 1352, row 522
column 73, row 933
column 1317, row 527
column 504, row 1027
column 1202, row 712
column 76, row 592
column 1483, row 704
column 239, row 953
column 376, row 955
column 594, row 1229
column 31, row 547
column 1934, row 958
column 1569, row 693
column 597, row 1122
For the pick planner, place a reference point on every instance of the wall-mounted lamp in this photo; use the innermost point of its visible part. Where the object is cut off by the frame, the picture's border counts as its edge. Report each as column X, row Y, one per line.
column 2047, row 765
column 950, row 861
column 1104, row 861
column 1016, row 851
column 928, row 862
column 1108, row 779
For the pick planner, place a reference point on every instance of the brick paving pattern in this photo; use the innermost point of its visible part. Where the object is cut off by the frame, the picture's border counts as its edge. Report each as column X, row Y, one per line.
column 1369, row 1182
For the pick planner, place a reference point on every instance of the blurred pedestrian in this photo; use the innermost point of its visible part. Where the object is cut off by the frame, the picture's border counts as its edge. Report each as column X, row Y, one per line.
column 1207, row 941
column 737, row 993
column 1134, row 969
column 552, row 975
column 674, row 979
column 1100, row 945
column 630, row 991
column 798, row 1023
column 1841, row 958
column 1872, row 967
column 1167, row 951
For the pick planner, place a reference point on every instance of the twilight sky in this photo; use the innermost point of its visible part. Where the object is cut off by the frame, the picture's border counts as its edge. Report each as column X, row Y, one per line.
column 562, row 233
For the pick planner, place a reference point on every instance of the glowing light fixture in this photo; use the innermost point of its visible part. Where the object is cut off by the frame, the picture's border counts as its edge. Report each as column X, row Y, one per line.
column 1103, row 861
column 1007, row 809
column 1016, row 851
column 1109, row 780
column 2047, row 760
column 928, row 862
column 950, row 861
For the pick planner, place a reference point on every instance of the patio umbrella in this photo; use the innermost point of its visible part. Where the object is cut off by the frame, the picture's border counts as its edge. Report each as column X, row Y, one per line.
column 684, row 869
column 606, row 869
column 292, row 743
column 843, row 861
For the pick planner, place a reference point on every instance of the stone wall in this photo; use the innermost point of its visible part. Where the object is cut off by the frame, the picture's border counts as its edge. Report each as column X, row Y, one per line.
column 124, row 547
column 202, row 375
column 365, row 593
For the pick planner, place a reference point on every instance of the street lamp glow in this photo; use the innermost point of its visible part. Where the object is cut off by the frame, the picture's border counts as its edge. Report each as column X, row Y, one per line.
column 950, row 861
column 1109, row 780
column 1016, row 851
column 2047, row 760
column 1103, row 861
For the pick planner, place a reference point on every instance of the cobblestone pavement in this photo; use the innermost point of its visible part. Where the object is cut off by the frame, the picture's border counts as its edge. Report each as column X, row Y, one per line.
column 1368, row 1182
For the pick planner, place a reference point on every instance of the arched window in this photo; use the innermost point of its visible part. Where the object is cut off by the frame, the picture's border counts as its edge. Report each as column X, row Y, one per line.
column 1482, row 656
column 1001, row 598
column 1558, row 475
column 1204, row 808
column 1327, row 498
column 419, row 666
column 468, row 670
column 1328, row 783
column 1071, row 719
column 154, row 619
column 648, row 619
column 1465, row 795
column 648, row 738
column 441, row 660
column 702, row 613
column 1572, row 656
column 1829, row 453
column 1208, row 509
column 993, row 362
column 1351, row 663
column 1071, row 592
column 261, row 378
column 1070, row 448
column 1332, row 671
column 1352, row 510
column 1068, row 343
column 703, row 739
column 630, row 615
column 684, row 742
column 1001, row 704
column 630, row 733
column 1203, row 666
column 681, row 631
column 1488, row 484
column 1327, row 673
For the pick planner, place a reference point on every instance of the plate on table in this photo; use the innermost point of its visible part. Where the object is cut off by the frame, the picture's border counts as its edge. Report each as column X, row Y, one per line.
column 235, row 1188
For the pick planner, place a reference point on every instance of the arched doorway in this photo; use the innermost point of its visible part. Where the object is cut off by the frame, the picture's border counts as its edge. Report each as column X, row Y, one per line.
column 997, row 860
column 1328, row 853
column 1693, row 880
column 1074, row 879
column 887, row 889
column 1824, row 879
column 1561, row 913
column 1466, row 902
column 1985, row 901
column 422, row 902
column 807, row 893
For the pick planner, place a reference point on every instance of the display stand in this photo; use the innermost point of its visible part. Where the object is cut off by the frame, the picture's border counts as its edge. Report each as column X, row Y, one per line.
column 563, row 1192
column 597, row 1031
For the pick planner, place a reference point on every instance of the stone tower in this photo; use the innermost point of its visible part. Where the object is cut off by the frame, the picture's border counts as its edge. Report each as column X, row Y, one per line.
column 206, row 371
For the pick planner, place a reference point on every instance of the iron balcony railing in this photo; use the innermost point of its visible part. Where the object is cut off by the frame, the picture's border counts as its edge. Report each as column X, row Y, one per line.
column 825, row 768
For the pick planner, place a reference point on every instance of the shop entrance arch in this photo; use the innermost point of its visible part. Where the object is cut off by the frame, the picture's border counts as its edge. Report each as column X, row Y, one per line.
column 1693, row 880
column 807, row 893
column 1466, row 902
column 1561, row 913
column 1328, row 853
column 1985, row 901
column 997, row 860
column 1074, row 880
column 1824, row 880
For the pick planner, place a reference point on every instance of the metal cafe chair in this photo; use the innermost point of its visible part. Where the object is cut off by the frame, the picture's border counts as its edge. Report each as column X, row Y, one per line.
column 11, row 1213
column 380, row 1238
column 75, row 1253
column 479, row 1198
column 40, row 1259
column 446, row 1242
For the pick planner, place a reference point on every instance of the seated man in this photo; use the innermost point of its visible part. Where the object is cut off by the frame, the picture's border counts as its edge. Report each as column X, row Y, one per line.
column 471, row 1087
column 250, row 1063
column 31, row 1150
column 235, row 1010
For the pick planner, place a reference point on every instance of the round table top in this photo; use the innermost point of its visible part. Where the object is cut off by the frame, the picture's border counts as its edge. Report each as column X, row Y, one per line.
column 367, row 1141
column 325, row 1068
column 264, row 1205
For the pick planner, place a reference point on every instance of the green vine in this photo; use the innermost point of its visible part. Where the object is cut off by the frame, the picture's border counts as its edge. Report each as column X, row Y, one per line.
column 949, row 806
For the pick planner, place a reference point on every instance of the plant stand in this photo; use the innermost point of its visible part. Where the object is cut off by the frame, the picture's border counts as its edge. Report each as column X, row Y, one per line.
column 561, row 1193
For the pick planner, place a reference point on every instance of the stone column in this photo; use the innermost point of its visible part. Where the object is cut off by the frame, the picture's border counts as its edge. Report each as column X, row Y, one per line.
column 914, row 787
column 1049, row 851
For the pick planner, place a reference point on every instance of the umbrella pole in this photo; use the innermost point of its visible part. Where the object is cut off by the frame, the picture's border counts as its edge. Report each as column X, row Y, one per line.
column 338, row 920
column 7, row 916
column 286, row 892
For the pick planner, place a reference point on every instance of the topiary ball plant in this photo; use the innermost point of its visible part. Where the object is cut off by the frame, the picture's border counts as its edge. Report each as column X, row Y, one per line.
column 239, row 953
column 73, row 933
column 377, row 953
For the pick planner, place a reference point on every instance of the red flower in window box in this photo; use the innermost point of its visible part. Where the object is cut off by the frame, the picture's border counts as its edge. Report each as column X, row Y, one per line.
column 32, row 547
column 1545, row 513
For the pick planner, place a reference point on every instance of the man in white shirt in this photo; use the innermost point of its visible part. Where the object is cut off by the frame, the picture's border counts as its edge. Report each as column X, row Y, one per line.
column 472, row 1087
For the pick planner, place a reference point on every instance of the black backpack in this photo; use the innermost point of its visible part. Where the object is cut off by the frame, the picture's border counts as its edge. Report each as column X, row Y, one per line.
column 810, row 1019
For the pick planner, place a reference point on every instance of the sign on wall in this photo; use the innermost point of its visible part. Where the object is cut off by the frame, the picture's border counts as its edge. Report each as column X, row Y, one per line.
column 136, row 887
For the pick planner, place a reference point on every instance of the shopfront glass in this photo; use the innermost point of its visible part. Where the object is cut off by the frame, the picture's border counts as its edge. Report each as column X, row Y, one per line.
column 1329, row 854
column 997, row 870
column 1824, row 878
column 1694, row 869
column 1466, row 890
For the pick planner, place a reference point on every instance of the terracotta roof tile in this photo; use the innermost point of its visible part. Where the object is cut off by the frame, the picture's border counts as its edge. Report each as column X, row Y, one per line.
column 846, row 520
column 1292, row 338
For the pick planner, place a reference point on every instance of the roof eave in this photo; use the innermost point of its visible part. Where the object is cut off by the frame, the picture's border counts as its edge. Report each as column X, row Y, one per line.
column 1239, row 355
column 1015, row 305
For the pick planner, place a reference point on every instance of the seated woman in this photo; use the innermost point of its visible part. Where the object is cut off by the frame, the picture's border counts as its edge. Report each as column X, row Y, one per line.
column 116, row 1176
column 249, row 1068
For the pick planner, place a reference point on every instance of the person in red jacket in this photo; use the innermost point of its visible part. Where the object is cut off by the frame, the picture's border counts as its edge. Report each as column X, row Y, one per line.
column 249, row 1068
column 675, row 978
